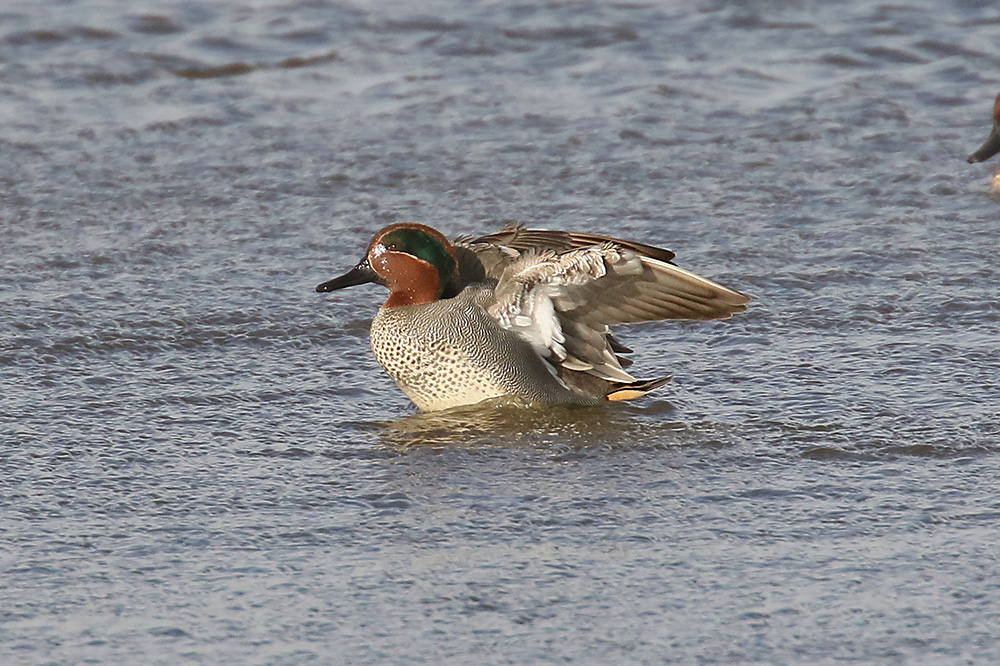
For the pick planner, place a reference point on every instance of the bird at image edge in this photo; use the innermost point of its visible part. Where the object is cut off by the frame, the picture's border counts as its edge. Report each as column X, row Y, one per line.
column 521, row 312
column 991, row 146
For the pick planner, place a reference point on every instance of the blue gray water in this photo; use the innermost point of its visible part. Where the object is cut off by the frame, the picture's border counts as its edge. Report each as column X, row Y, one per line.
column 200, row 462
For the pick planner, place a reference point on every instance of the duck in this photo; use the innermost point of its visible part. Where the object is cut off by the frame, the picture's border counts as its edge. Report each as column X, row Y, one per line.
column 521, row 313
column 991, row 146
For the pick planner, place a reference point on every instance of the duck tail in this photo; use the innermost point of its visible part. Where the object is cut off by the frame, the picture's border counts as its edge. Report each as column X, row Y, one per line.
column 633, row 390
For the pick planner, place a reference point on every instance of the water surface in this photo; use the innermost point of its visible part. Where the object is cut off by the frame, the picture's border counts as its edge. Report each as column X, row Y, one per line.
column 202, row 462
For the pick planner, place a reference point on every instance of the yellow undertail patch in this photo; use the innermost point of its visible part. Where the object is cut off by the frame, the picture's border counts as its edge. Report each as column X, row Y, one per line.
column 636, row 389
column 626, row 394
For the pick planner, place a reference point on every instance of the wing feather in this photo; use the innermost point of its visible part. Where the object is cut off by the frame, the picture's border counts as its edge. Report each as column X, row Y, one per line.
column 562, row 291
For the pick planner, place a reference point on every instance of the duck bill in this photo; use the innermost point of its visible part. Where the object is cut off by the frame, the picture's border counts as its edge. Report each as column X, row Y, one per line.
column 988, row 149
column 360, row 274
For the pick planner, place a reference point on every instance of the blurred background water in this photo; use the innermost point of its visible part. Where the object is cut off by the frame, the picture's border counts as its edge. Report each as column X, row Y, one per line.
column 200, row 461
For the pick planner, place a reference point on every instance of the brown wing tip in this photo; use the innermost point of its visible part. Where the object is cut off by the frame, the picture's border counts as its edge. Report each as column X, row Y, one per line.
column 742, row 299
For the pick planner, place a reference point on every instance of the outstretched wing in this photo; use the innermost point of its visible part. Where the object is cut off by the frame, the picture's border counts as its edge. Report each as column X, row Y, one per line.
column 564, row 302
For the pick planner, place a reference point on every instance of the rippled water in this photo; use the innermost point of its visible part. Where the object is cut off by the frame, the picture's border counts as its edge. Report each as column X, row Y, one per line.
column 202, row 463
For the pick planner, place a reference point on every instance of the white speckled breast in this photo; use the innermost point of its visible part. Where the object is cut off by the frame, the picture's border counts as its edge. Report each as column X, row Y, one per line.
column 451, row 352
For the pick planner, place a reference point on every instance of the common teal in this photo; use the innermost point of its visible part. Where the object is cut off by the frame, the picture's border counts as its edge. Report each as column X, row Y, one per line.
column 991, row 147
column 523, row 313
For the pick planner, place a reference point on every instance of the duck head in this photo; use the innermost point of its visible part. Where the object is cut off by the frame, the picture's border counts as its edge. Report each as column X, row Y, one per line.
column 992, row 145
column 415, row 262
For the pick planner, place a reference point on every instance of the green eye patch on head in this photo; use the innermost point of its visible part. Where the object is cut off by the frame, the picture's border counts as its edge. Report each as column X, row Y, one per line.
column 423, row 246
